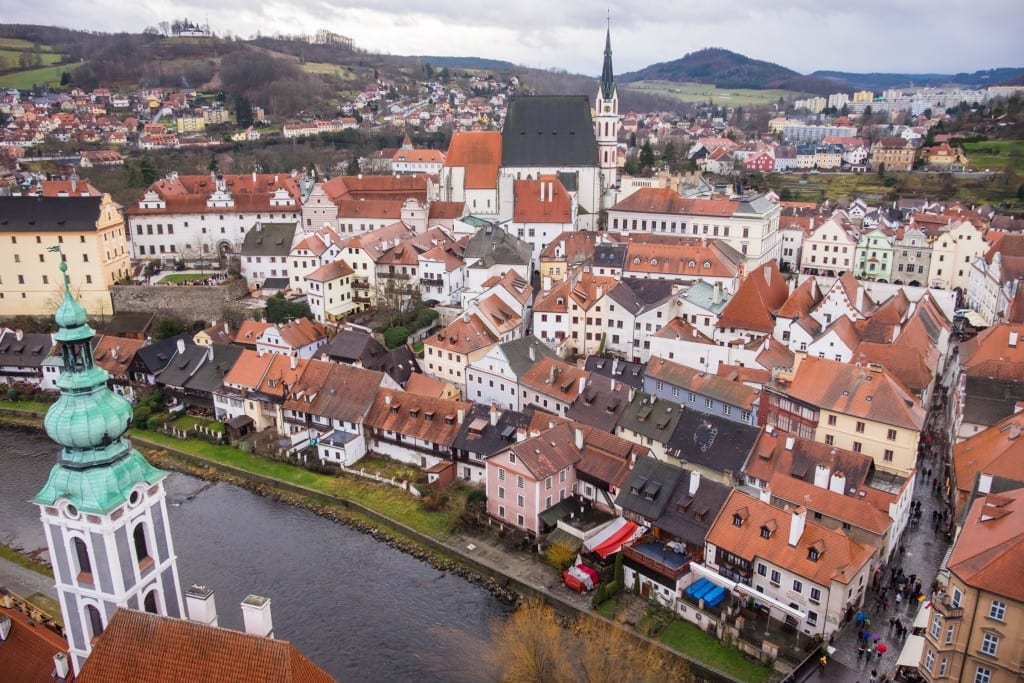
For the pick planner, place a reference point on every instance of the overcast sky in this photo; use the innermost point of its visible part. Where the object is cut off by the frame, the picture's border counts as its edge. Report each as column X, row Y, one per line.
column 909, row 36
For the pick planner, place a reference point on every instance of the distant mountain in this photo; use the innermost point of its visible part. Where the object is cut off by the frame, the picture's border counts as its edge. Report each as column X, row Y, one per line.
column 727, row 69
column 879, row 81
column 439, row 62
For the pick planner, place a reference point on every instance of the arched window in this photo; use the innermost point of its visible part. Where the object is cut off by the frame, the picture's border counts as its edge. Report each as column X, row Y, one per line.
column 141, row 546
column 81, row 553
column 95, row 622
column 149, row 603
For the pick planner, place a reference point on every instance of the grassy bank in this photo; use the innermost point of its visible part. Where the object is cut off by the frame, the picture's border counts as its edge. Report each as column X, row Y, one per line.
column 687, row 639
column 23, row 560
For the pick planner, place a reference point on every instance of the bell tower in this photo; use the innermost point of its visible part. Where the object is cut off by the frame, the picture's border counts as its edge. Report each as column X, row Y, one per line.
column 103, row 507
column 606, row 118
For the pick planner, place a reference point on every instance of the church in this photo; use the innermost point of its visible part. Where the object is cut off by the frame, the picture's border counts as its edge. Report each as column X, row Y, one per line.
column 559, row 135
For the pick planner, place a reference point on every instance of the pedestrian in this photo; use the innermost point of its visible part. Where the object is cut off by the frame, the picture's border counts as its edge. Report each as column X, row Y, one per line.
column 899, row 600
column 874, row 676
column 885, row 603
column 822, row 661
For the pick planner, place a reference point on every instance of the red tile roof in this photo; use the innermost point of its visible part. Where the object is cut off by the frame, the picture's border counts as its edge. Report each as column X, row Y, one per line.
column 136, row 646
column 430, row 419
column 668, row 201
column 479, row 152
column 555, row 207
column 990, row 354
column 761, row 293
column 989, row 552
column 703, row 383
column 26, row 656
column 997, row 450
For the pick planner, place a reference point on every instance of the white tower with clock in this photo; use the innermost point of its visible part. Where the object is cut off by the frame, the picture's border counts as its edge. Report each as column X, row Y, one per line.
column 606, row 120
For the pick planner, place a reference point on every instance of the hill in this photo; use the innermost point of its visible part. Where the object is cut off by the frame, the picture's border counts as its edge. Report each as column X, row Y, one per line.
column 726, row 69
column 884, row 81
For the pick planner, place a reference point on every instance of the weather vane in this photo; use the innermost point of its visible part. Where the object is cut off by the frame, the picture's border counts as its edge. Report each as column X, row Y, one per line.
column 63, row 266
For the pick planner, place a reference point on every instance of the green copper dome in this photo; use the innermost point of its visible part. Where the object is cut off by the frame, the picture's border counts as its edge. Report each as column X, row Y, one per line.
column 97, row 467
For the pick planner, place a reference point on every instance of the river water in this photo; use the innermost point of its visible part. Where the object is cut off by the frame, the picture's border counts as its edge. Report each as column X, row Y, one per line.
column 358, row 608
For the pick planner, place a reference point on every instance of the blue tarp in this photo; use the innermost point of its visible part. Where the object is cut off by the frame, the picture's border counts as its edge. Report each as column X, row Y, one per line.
column 712, row 598
column 703, row 590
column 699, row 584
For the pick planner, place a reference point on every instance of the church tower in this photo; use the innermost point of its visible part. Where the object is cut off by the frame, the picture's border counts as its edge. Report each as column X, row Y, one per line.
column 103, row 507
column 606, row 118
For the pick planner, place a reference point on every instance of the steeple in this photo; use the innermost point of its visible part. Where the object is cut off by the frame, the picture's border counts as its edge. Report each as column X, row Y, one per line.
column 607, row 74
column 103, row 506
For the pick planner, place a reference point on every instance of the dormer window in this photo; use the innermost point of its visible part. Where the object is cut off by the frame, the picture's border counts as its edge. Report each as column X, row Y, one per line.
column 768, row 528
column 812, row 554
column 737, row 520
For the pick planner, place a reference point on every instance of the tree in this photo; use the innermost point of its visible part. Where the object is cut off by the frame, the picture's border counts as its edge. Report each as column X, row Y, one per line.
column 353, row 165
column 646, row 156
column 281, row 310
column 243, row 111
column 167, row 327
column 532, row 646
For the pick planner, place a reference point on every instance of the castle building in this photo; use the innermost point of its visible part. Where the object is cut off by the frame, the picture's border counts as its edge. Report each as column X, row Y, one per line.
column 103, row 506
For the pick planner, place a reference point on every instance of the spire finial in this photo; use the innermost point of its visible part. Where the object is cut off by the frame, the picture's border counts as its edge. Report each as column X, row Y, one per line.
column 63, row 267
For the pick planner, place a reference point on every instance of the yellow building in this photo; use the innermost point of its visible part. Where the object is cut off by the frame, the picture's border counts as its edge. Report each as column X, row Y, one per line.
column 190, row 124
column 90, row 233
column 975, row 630
column 864, row 96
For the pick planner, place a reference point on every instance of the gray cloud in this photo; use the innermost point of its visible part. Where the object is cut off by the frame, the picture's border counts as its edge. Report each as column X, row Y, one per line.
column 804, row 35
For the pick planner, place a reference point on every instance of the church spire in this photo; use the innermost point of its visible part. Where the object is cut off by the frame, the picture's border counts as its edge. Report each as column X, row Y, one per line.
column 607, row 74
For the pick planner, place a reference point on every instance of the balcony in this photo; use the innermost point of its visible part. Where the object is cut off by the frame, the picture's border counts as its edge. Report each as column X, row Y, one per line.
column 946, row 610
column 431, row 281
column 360, row 284
column 658, row 558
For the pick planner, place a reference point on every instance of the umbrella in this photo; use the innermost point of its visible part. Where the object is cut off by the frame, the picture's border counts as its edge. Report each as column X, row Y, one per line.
column 882, row 648
column 860, row 617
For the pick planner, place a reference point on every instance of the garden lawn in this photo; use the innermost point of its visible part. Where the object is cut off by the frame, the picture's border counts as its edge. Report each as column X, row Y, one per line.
column 29, row 406
column 686, row 638
column 383, row 499
column 175, row 278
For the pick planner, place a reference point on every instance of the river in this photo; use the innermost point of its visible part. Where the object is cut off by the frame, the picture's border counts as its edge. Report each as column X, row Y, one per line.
column 357, row 607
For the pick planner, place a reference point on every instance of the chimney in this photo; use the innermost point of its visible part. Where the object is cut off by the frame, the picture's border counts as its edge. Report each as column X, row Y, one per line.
column 768, row 275
column 533, row 352
column 716, row 293
column 521, row 434
column 694, row 482
column 583, row 384
column 765, row 495
column 860, row 298
column 494, row 415
column 74, row 185
column 61, row 666
column 547, row 283
column 227, row 327
column 181, row 345
column 838, row 483
column 462, row 415
column 293, row 361
column 552, row 373
column 984, row 483
column 387, row 399
column 821, row 476
column 796, row 526
column 19, row 334
column 578, row 434
column 209, row 354
column 615, row 365
column 1014, row 335
column 542, row 192
column 632, row 394
column 113, row 353
column 201, row 605
column 465, row 316
column 256, row 615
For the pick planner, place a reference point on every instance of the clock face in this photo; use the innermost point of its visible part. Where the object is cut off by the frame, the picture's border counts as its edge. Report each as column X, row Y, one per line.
column 607, row 107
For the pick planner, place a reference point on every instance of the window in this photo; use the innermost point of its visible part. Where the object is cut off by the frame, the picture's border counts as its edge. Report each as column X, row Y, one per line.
column 547, row 484
column 815, row 595
column 520, row 501
column 501, row 492
column 889, row 455
column 832, row 420
column 860, row 427
column 95, row 621
column 501, row 511
column 857, row 446
column 149, row 604
column 936, row 626
column 997, row 610
column 726, row 409
column 956, row 597
column 990, row 644
column 776, row 578
column 929, row 660
column 708, row 403
column 943, row 666
column 812, row 618
column 949, row 634
column 829, row 440
column 511, row 455
column 891, row 435
column 798, row 586
column 82, row 559
column 762, row 570
column 691, row 397
column 659, row 385
column 141, row 546
column 520, row 483
column 982, row 675
column 501, row 474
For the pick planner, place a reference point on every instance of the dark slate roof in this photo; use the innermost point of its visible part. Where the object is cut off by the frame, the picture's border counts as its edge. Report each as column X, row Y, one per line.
column 351, row 346
column 28, row 352
column 637, row 295
column 399, row 363
column 269, row 239
column 689, row 518
column 649, row 488
column 627, row 372
column 517, row 352
column 210, row 376
column 157, row 355
column 276, row 283
column 182, row 367
column 493, row 245
column 652, row 417
column 127, row 323
column 548, row 130
column 598, row 405
column 50, row 214
column 711, row 441
column 610, row 255
column 478, row 435
column 988, row 400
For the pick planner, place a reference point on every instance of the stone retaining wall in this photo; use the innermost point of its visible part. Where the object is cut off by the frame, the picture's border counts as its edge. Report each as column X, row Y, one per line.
column 192, row 302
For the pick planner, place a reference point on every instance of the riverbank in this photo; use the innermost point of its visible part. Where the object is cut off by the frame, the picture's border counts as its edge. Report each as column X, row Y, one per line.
column 480, row 559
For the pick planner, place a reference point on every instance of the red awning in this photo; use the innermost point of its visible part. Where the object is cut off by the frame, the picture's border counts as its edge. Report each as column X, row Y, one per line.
column 612, row 544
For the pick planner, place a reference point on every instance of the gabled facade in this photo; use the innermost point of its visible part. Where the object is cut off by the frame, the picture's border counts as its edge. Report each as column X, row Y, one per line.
column 543, row 210
column 953, row 252
column 701, row 391
column 493, row 379
column 830, row 249
column 874, row 256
